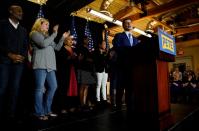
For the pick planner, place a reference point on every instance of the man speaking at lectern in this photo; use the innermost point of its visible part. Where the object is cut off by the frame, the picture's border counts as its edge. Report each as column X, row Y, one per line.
column 122, row 44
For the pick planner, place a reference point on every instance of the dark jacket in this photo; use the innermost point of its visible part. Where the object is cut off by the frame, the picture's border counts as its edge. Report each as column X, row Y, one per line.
column 101, row 61
column 122, row 47
column 12, row 40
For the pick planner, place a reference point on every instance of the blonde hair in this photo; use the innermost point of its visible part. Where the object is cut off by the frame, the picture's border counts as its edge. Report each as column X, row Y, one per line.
column 37, row 26
column 68, row 40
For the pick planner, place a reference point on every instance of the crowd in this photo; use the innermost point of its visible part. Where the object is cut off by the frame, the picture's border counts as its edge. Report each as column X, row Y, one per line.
column 60, row 77
column 184, row 86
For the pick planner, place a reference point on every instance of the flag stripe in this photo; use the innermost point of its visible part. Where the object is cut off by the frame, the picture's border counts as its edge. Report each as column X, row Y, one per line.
column 73, row 30
column 40, row 14
column 106, row 39
column 90, row 40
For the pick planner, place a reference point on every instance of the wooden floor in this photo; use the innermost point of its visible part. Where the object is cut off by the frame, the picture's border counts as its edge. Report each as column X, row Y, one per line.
column 186, row 117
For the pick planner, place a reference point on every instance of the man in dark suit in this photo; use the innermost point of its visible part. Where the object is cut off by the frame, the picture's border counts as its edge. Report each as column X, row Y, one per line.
column 122, row 45
column 13, row 50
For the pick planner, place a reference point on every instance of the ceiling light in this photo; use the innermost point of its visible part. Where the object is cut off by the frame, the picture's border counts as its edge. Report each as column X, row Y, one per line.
column 103, row 16
column 112, row 20
column 141, row 32
column 40, row 2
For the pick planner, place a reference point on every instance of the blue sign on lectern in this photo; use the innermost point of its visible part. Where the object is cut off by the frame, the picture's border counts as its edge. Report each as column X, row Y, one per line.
column 166, row 42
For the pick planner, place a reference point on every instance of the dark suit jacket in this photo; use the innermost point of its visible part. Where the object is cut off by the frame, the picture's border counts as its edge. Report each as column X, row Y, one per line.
column 121, row 40
column 122, row 46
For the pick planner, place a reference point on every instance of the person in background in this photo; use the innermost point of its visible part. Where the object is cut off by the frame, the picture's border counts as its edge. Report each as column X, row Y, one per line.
column 113, row 76
column 190, row 88
column 85, row 74
column 187, row 72
column 122, row 44
column 101, row 69
column 13, row 51
column 44, row 66
column 176, row 85
column 177, row 74
column 67, row 92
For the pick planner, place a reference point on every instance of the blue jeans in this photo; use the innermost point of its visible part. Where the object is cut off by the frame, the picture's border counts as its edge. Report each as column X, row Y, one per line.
column 10, row 76
column 43, row 96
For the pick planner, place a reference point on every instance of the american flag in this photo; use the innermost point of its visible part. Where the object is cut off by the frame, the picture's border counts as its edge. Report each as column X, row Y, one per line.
column 40, row 14
column 106, row 39
column 90, row 40
column 106, row 33
column 73, row 29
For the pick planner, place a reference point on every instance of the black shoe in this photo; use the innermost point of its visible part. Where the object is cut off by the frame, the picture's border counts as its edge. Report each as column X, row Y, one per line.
column 105, row 103
column 118, row 107
column 98, row 104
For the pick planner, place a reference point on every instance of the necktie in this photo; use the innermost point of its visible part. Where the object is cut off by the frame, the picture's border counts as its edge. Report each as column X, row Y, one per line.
column 130, row 39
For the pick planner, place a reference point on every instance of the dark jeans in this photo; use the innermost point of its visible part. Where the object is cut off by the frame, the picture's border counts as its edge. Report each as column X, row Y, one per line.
column 121, row 85
column 113, row 85
column 124, row 88
column 10, row 76
column 118, row 82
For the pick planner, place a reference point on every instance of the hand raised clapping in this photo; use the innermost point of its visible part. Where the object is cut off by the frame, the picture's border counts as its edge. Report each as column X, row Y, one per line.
column 66, row 34
column 55, row 28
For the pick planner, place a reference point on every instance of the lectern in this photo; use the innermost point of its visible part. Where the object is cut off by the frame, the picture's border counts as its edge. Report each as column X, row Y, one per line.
column 148, row 95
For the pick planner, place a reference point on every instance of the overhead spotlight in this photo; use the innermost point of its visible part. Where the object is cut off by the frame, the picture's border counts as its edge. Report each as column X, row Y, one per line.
column 106, row 13
column 40, row 2
column 142, row 32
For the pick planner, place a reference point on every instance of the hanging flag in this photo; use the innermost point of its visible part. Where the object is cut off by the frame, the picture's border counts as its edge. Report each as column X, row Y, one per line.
column 73, row 30
column 90, row 40
column 106, row 33
column 40, row 14
column 106, row 39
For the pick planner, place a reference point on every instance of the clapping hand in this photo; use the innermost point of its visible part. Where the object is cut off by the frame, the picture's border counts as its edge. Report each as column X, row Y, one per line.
column 66, row 34
column 55, row 28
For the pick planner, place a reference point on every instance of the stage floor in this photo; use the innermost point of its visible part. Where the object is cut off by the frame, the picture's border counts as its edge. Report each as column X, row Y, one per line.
column 186, row 117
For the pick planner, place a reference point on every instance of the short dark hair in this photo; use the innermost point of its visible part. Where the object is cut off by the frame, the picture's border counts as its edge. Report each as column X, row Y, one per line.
column 13, row 6
column 125, row 20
